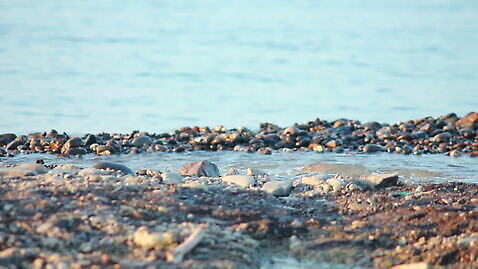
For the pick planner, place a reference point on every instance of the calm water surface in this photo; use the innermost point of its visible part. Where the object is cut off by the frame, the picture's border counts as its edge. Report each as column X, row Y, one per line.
column 90, row 66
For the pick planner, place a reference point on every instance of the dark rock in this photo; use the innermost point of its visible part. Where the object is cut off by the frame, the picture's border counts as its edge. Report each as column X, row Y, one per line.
column 5, row 139
column 442, row 137
column 382, row 180
column 201, row 168
column 90, row 139
column 20, row 140
column 113, row 166
column 373, row 125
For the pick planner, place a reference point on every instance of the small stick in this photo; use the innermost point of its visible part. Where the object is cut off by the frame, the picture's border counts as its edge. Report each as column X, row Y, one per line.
column 191, row 242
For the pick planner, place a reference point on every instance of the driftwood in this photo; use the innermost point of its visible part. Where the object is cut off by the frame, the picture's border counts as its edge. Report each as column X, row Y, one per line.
column 191, row 242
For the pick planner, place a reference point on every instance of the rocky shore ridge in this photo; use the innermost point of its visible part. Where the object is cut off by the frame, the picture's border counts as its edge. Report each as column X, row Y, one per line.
column 447, row 134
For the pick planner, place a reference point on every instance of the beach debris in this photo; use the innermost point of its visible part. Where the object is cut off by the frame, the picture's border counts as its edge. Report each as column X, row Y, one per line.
column 177, row 254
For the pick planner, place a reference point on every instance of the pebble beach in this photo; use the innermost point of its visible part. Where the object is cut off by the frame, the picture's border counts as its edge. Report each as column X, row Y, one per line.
column 327, row 215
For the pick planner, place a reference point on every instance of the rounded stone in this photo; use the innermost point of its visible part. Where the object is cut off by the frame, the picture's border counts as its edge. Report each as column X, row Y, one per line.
column 113, row 166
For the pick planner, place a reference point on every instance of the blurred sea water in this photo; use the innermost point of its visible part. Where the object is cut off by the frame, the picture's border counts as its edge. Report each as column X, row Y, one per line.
column 91, row 66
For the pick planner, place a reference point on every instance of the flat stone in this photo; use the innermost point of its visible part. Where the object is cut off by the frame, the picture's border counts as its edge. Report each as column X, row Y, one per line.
column 382, row 180
column 371, row 148
column 141, row 141
column 240, row 180
column 315, row 180
column 278, row 187
column 113, row 166
column 15, row 172
column 200, row 169
column 91, row 171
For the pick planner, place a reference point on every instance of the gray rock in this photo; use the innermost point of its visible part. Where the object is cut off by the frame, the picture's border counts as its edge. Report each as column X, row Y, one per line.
column 5, row 139
column 199, row 169
column 278, row 187
column 113, row 166
column 240, row 180
column 254, row 172
column 16, row 142
column 370, row 148
column 382, row 180
column 38, row 168
column 141, row 141
column 442, row 137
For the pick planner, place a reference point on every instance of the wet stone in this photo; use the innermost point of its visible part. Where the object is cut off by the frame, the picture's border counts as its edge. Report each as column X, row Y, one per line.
column 371, row 148
column 240, row 180
column 113, row 166
column 382, row 180
column 278, row 187
column 200, row 169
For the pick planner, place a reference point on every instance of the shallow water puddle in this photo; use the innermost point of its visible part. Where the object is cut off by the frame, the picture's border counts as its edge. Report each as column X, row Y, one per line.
column 424, row 168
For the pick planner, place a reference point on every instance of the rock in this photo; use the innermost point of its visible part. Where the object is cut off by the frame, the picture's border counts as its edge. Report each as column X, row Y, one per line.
column 254, row 172
column 172, row 178
column 20, row 140
column 23, row 170
column 315, row 180
column 199, row 169
column 91, row 171
column 370, row 148
column 382, row 180
column 353, row 170
column 469, row 121
column 113, row 166
column 5, row 139
column 90, row 139
column 336, row 184
column 73, row 142
column 373, row 125
column 278, row 187
column 419, row 265
column 74, row 151
column 291, row 131
column 38, row 168
column 442, row 137
column 240, row 180
column 158, row 241
column 231, row 171
column 141, row 141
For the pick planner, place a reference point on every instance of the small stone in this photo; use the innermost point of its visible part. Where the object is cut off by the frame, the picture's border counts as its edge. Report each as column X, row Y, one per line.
column 113, row 166
column 240, row 180
column 201, row 168
column 371, row 148
column 442, row 137
column 278, row 187
column 172, row 178
column 419, row 265
column 254, row 172
column 336, row 184
column 382, row 180
column 159, row 241
column 141, row 141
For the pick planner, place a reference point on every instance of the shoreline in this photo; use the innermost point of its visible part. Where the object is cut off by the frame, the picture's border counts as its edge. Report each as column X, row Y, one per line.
column 108, row 215
column 448, row 134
